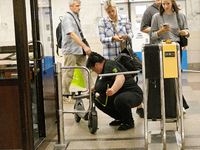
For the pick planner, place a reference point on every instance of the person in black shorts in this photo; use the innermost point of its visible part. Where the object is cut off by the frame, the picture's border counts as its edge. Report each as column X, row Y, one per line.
column 117, row 93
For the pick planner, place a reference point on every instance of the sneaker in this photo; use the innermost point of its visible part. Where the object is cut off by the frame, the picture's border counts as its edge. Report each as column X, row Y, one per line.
column 68, row 100
column 126, row 127
column 140, row 112
column 184, row 111
column 115, row 123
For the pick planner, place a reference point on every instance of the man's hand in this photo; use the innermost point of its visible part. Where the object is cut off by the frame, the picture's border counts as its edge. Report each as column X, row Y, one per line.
column 87, row 50
column 110, row 92
column 92, row 90
column 80, row 43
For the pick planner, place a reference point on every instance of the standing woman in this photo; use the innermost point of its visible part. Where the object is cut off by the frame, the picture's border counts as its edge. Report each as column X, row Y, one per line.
column 169, row 13
column 109, row 38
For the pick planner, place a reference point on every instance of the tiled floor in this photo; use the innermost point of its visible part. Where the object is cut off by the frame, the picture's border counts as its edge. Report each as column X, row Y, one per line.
column 108, row 137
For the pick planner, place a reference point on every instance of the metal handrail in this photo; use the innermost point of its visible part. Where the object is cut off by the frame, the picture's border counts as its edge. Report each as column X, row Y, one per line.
column 191, row 71
column 120, row 73
column 89, row 78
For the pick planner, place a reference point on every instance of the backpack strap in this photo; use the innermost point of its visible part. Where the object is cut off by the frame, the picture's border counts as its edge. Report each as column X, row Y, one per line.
column 77, row 26
column 153, row 5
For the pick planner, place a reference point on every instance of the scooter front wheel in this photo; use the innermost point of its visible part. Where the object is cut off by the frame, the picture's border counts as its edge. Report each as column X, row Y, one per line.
column 93, row 121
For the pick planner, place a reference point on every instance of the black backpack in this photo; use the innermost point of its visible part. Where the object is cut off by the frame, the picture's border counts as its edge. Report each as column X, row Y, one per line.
column 130, row 61
column 59, row 35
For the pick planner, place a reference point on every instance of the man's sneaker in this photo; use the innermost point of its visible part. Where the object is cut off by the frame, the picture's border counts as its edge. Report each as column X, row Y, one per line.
column 115, row 123
column 126, row 127
column 140, row 112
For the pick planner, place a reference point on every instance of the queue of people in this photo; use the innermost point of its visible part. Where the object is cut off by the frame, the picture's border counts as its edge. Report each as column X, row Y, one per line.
column 118, row 93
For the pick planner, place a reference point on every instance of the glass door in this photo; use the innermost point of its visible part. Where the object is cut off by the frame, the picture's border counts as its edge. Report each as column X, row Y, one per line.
column 46, row 37
column 42, row 60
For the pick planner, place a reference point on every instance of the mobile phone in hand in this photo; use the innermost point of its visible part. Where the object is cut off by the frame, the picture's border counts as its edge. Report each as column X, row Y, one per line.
column 166, row 25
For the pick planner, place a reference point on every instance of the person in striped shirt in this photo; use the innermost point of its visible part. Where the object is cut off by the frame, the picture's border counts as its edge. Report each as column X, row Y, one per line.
column 109, row 38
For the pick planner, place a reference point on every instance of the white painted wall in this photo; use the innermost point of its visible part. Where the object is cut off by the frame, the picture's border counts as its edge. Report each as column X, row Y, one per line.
column 89, row 14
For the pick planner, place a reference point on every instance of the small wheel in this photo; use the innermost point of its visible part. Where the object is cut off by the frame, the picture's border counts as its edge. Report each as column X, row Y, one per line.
column 77, row 118
column 92, row 122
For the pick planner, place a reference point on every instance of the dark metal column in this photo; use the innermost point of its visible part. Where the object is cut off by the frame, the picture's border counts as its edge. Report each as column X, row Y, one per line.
column 23, row 74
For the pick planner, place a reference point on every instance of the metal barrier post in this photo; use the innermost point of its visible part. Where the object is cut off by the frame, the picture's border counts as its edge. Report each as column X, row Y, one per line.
column 145, row 93
column 60, row 118
column 162, row 100
column 181, row 99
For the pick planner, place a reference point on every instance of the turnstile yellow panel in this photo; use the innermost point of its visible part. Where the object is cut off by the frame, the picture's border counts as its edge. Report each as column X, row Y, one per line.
column 170, row 67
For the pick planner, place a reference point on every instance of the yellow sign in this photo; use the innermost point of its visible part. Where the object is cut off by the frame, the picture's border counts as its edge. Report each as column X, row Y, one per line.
column 170, row 65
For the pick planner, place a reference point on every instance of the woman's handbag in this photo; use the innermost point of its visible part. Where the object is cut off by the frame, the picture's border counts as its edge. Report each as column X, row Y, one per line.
column 183, row 41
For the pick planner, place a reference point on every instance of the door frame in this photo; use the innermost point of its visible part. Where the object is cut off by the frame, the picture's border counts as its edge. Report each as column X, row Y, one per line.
column 20, row 24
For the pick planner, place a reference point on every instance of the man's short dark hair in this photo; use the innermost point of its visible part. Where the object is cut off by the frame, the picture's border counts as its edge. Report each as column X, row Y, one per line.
column 94, row 58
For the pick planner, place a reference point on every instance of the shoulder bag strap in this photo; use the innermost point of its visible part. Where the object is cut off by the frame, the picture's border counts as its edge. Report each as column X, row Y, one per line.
column 114, row 28
column 178, row 19
column 77, row 25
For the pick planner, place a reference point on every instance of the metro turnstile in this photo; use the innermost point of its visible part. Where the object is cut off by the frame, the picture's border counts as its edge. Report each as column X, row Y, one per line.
column 163, row 61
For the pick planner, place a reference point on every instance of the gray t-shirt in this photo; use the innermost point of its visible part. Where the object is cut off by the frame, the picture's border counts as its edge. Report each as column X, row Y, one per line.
column 147, row 16
column 171, row 19
column 69, row 46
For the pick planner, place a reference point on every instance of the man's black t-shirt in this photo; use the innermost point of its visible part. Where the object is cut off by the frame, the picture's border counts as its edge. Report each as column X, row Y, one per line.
column 102, row 83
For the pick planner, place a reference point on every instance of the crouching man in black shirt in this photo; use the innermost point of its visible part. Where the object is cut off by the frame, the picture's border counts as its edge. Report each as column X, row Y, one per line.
column 117, row 93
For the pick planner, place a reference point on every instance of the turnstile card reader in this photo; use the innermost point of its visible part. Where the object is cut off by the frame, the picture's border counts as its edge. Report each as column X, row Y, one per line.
column 170, row 65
